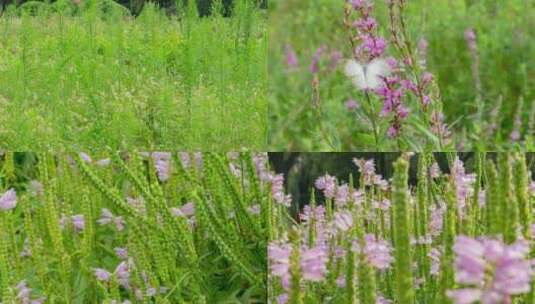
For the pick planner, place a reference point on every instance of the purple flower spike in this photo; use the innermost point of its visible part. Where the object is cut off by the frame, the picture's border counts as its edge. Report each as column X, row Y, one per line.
column 493, row 271
column 8, row 200
column 378, row 252
column 85, row 157
column 351, row 104
column 326, row 183
column 78, row 222
column 314, row 66
column 291, row 57
column 277, row 190
column 162, row 164
column 106, row 217
column 102, row 274
column 313, row 264
column 121, row 252
column 279, row 256
column 343, row 220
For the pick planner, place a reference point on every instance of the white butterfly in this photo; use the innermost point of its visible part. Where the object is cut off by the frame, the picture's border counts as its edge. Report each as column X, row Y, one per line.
column 369, row 75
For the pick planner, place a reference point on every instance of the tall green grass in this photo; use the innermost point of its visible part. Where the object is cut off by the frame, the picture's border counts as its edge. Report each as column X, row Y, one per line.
column 94, row 76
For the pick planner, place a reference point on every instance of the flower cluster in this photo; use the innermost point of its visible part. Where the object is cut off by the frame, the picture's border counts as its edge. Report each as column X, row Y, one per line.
column 277, row 189
column 371, row 45
column 107, row 217
column 77, row 221
column 392, row 92
column 378, row 251
column 492, row 271
column 161, row 162
column 24, row 294
column 464, row 184
column 367, row 171
column 8, row 200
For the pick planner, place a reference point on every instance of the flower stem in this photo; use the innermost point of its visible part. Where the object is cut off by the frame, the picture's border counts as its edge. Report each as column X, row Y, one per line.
column 373, row 119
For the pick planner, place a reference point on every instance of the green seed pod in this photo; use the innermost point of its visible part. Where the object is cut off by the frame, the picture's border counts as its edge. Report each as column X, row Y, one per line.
column 350, row 274
column 252, row 177
column 240, row 208
column 448, row 235
column 230, row 253
column 312, row 220
column 87, row 211
column 48, row 173
column 9, row 166
column 492, row 201
column 402, row 247
column 157, row 252
column 476, row 216
column 521, row 179
column 267, row 213
column 295, row 293
column 509, row 210
column 421, row 220
column 366, row 275
column 112, row 194
column 5, row 280
column 114, row 289
column 143, row 187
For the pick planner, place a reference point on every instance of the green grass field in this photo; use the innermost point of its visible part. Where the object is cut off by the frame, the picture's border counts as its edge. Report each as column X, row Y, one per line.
column 506, row 69
column 93, row 76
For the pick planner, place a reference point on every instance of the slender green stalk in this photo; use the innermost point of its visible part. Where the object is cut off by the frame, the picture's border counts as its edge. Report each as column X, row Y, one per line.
column 492, row 202
column 509, row 210
column 296, row 295
column 521, row 179
column 402, row 247
column 446, row 279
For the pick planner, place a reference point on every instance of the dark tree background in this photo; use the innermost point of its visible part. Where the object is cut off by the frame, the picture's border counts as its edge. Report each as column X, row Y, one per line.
column 302, row 169
column 203, row 6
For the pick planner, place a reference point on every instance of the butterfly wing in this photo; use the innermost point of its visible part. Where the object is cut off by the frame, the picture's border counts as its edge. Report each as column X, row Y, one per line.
column 355, row 71
column 375, row 71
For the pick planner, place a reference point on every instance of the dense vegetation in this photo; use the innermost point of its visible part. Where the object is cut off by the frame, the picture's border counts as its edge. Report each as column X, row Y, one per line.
column 461, row 75
column 91, row 75
column 133, row 228
column 465, row 236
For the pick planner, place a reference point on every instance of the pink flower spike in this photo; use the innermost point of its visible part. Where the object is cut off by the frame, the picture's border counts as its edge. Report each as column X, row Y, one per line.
column 8, row 200
column 102, row 275
column 351, row 105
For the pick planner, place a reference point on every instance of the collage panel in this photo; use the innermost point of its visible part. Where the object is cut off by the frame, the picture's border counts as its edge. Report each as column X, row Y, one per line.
column 133, row 227
column 397, row 75
column 403, row 228
column 164, row 74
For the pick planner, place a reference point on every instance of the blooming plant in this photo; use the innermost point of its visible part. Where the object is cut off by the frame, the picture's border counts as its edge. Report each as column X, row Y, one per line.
column 390, row 75
column 134, row 227
column 454, row 237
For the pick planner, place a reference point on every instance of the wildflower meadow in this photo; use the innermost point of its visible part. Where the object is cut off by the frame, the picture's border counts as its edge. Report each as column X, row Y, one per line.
column 436, row 230
column 132, row 171
column 398, row 75
column 133, row 227
column 91, row 73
